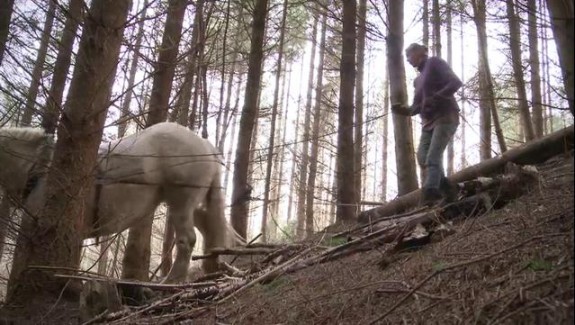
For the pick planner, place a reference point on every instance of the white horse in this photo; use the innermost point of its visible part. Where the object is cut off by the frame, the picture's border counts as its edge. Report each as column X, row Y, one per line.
column 163, row 163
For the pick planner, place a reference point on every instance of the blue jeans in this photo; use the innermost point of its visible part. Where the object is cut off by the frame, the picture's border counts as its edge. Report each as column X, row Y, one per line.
column 432, row 144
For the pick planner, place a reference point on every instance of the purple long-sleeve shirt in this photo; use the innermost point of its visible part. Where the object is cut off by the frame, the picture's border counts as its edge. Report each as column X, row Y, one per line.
column 434, row 90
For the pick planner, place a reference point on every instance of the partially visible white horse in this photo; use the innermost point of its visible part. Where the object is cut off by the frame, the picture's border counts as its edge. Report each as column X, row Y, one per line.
column 163, row 163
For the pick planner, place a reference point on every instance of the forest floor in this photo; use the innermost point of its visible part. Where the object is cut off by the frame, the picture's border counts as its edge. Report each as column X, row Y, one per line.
column 511, row 265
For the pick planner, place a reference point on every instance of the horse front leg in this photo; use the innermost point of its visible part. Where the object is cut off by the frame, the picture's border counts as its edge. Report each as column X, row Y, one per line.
column 185, row 240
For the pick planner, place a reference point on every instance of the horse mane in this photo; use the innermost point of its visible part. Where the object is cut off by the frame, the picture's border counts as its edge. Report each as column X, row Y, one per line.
column 22, row 133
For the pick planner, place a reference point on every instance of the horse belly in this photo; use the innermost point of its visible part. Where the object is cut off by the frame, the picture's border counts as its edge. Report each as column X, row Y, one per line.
column 124, row 205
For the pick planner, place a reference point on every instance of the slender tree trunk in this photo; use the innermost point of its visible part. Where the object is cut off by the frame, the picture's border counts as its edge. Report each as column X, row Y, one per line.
column 6, row 9
column 167, row 248
column 536, row 101
column 29, row 109
column 346, row 197
column 385, row 145
column 280, row 179
column 185, row 93
column 54, row 239
column 425, row 19
column 487, row 105
column 517, row 63
column 270, row 153
column 563, row 25
column 405, row 160
column 223, row 75
column 125, row 111
column 436, row 17
column 358, row 144
column 304, row 162
column 136, row 263
column 61, row 66
column 292, row 180
column 450, row 145
column 317, row 113
column 463, row 98
column 239, row 210
column 165, row 65
column 233, row 132
column 228, row 114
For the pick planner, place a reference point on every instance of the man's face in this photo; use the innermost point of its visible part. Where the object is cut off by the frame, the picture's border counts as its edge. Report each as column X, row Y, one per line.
column 414, row 57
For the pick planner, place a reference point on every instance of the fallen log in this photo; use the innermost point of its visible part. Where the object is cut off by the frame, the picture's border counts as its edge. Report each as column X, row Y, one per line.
column 534, row 152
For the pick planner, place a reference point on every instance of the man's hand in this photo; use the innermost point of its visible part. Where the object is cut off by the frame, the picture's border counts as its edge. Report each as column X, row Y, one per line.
column 400, row 110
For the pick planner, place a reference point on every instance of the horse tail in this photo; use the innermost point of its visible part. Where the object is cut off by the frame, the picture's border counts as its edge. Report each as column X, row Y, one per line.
column 215, row 203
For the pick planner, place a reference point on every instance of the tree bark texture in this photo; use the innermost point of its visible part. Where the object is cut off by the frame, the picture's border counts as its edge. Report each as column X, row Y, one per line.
column 241, row 190
column 517, row 63
column 359, row 127
column 29, row 108
column 405, row 159
column 311, row 181
column 534, row 62
column 270, row 153
column 127, row 100
column 346, row 199
column 488, row 109
column 6, row 9
column 61, row 66
column 54, row 238
column 304, row 162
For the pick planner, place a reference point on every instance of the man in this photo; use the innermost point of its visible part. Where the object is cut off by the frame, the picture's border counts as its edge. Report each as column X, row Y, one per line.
column 434, row 102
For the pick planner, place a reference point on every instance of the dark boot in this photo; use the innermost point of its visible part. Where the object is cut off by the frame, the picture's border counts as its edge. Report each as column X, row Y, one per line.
column 449, row 190
column 430, row 196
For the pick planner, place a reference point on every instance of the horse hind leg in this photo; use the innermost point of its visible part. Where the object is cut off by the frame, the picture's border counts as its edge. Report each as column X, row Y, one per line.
column 212, row 224
column 182, row 205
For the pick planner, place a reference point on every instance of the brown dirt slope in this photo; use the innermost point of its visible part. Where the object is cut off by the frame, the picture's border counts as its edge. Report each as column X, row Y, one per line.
column 512, row 265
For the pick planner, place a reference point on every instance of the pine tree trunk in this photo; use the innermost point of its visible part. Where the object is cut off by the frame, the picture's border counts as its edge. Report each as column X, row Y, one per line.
column 487, row 105
column 278, row 193
column 425, row 20
column 239, row 210
column 125, row 111
column 436, row 18
column 358, row 141
column 563, row 25
column 136, row 263
column 54, row 239
column 185, row 94
column 292, row 180
column 29, row 108
column 450, row 149
column 346, row 199
column 223, row 76
column 6, row 9
column 517, row 63
column 272, row 137
column 463, row 98
column 304, row 162
column 61, row 66
column 534, row 63
column 317, row 113
column 385, row 146
column 405, row 160
column 234, row 123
